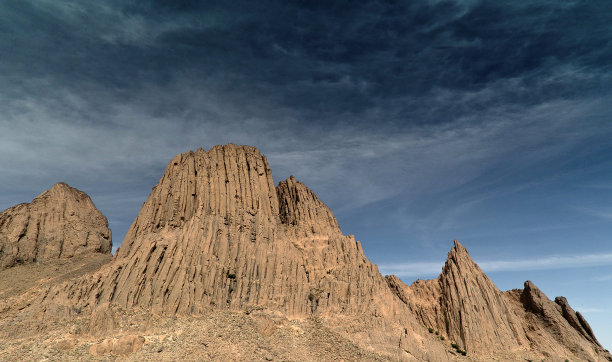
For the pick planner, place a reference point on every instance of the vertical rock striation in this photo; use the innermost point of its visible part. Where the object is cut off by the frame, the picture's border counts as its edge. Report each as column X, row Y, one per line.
column 60, row 223
column 302, row 211
column 464, row 305
column 215, row 232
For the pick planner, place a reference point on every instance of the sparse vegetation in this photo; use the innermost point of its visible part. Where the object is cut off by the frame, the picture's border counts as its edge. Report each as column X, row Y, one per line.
column 458, row 349
column 311, row 297
column 441, row 338
column 231, row 275
column 430, row 330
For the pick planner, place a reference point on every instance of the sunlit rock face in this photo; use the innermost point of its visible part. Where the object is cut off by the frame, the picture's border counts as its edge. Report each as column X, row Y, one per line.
column 60, row 223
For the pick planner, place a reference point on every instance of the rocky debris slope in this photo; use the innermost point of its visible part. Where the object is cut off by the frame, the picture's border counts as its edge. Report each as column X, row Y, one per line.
column 215, row 336
column 464, row 305
column 216, row 234
column 60, row 223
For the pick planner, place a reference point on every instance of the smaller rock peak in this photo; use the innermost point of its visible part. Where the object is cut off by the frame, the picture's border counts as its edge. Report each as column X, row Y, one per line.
column 62, row 190
column 459, row 255
column 61, row 187
column 300, row 208
column 458, row 248
column 459, row 261
column 529, row 285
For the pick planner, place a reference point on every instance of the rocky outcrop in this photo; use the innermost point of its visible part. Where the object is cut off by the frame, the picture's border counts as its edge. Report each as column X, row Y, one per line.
column 464, row 305
column 60, row 223
column 555, row 326
column 215, row 232
column 302, row 211
column 576, row 320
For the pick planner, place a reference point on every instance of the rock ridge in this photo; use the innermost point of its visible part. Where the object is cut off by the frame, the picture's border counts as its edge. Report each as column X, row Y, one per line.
column 464, row 305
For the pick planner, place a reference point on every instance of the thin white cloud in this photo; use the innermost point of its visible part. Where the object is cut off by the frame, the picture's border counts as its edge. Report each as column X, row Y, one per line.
column 603, row 278
column 603, row 213
column 552, row 262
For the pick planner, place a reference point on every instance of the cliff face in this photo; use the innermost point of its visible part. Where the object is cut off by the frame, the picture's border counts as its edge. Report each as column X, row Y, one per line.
column 216, row 232
column 466, row 307
column 60, row 223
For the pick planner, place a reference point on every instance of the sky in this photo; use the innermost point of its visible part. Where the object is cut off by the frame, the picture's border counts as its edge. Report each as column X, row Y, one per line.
column 417, row 122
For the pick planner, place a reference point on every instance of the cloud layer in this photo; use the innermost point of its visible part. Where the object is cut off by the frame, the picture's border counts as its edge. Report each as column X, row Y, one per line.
column 552, row 262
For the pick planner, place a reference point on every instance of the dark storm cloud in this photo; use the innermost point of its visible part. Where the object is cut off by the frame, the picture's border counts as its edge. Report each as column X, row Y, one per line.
column 319, row 58
column 449, row 90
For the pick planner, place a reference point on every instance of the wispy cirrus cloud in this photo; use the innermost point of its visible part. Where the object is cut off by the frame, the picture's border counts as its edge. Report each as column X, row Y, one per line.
column 552, row 262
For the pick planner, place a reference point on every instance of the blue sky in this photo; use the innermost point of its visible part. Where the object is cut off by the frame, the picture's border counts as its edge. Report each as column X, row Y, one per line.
column 417, row 122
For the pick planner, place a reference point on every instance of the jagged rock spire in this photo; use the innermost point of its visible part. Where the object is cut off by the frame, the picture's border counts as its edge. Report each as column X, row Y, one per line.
column 475, row 313
column 465, row 306
column 59, row 223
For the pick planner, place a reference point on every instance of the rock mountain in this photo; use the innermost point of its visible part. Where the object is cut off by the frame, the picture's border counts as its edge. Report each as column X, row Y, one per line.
column 60, row 223
column 216, row 236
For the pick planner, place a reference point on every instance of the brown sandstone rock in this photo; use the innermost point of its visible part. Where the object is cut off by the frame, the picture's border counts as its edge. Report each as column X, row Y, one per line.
column 210, row 234
column 554, row 326
column 302, row 211
column 464, row 305
column 60, row 223
column 216, row 234
column 576, row 320
column 102, row 321
column 122, row 346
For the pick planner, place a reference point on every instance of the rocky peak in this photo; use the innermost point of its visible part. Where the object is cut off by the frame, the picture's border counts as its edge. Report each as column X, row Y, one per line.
column 576, row 320
column 475, row 313
column 302, row 210
column 216, row 233
column 231, row 182
column 568, row 327
column 59, row 223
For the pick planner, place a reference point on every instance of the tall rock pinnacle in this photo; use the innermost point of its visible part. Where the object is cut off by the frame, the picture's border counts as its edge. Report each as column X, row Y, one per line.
column 466, row 307
column 60, row 223
column 463, row 304
column 475, row 313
